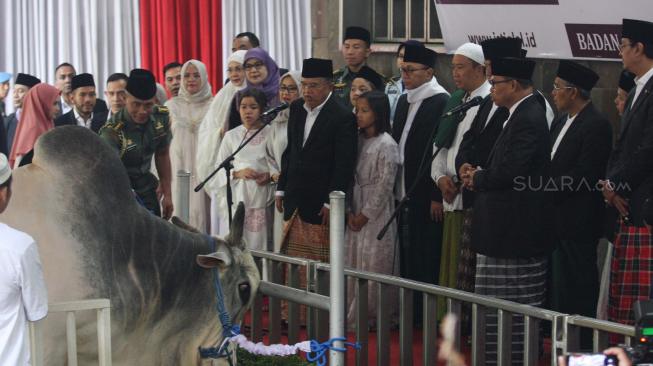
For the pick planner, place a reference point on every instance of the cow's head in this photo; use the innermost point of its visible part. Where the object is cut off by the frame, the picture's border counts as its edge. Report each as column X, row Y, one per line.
column 239, row 275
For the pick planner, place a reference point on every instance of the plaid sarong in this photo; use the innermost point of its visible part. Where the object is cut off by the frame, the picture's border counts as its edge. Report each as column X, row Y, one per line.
column 515, row 279
column 630, row 272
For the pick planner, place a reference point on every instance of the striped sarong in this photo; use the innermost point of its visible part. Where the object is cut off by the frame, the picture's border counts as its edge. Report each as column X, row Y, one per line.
column 631, row 272
column 522, row 280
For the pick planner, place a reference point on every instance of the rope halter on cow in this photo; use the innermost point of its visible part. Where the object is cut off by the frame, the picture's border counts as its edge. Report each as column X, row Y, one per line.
column 231, row 334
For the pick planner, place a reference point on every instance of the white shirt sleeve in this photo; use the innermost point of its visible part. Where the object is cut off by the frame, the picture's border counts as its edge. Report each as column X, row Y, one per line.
column 34, row 293
column 439, row 165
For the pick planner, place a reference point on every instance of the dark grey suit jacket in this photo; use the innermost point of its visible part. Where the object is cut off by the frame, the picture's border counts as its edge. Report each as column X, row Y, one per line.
column 631, row 164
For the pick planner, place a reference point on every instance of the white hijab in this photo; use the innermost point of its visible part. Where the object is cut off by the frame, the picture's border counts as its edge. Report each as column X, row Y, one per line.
column 205, row 89
column 297, row 78
column 215, row 120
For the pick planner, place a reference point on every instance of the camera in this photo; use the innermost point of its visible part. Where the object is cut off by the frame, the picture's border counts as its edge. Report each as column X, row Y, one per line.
column 641, row 351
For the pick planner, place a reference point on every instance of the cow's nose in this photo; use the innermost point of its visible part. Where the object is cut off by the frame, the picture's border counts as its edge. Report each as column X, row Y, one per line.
column 244, row 289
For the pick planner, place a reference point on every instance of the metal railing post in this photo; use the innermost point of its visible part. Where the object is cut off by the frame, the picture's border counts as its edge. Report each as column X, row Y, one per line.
column 182, row 195
column 337, row 283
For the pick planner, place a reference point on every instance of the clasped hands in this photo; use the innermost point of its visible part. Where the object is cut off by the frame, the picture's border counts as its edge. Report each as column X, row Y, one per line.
column 248, row 173
column 612, row 198
column 466, row 173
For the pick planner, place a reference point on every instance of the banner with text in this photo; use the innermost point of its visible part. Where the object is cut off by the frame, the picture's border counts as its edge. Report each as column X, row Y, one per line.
column 560, row 29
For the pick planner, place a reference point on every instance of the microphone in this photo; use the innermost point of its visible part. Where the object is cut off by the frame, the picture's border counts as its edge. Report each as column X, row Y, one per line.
column 276, row 109
column 465, row 106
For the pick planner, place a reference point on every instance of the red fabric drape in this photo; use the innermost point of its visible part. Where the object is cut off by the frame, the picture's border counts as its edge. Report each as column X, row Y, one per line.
column 182, row 30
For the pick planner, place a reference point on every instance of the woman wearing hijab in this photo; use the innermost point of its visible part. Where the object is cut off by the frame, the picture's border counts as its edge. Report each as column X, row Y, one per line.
column 39, row 109
column 212, row 130
column 261, row 72
column 289, row 91
column 187, row 110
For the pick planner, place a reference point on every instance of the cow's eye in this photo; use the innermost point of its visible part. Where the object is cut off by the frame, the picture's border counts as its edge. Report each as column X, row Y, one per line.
column 245, row 291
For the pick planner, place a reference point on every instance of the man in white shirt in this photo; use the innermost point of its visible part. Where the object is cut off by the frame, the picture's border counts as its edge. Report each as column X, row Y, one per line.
column 84, row 99
column 469, row 76
column 23, row 296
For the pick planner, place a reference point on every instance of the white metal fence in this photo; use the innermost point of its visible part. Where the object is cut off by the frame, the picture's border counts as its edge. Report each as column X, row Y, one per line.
column 103, row 310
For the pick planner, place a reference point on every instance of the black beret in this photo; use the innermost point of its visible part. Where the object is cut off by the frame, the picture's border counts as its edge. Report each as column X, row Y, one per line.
column 27, row 80
column 81, row 80
column 317, row 68
column 141, row 84
column 421, row 55
column 513, row 67
column 577, row 74
column 357, row 33
column 494, row 48
column 637, row 30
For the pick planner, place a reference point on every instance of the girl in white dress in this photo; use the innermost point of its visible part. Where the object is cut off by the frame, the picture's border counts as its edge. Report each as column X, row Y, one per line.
column 372, row 201
column 250, row 177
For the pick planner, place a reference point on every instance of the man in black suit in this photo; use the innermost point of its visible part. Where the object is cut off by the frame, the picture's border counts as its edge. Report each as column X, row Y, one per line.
column 417, row 118
column 63, row 75
column 475, row 148
column 23, row 83
column 511, row 223
column 630, row 177
column 319, row 159
column 84, row 98
column 581, row 143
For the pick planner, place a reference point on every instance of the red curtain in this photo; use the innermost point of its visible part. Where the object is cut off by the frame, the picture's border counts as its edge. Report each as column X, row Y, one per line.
column 180, row 30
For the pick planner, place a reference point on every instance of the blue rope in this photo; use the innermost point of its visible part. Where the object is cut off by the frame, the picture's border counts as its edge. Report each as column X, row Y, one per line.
column 320, row 350
column 229, row 330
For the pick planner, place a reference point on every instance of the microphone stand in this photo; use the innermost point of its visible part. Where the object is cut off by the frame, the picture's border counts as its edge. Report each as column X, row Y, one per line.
column 421, row 171
column 227, row 164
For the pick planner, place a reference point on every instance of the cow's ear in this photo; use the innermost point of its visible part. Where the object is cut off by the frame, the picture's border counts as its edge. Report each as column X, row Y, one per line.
column 182, row 225
column 235, row 237
column 221, row 258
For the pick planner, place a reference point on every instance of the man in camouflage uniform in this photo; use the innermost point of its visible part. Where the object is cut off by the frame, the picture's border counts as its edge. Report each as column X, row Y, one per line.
column 355, row 50
column 139, row 131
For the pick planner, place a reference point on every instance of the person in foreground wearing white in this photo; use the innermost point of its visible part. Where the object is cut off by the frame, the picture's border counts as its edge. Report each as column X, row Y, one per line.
column 23, row 296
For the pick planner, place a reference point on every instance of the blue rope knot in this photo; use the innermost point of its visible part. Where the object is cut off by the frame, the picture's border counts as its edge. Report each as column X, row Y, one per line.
column 228, row 330
column 320, row 349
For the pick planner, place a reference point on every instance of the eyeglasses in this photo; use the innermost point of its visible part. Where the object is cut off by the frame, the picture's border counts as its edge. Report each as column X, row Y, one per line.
column 495, row 82
column 288, row 89
column 256, row 66
column 558, row 88
column 410, row 70
column 235, row 69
